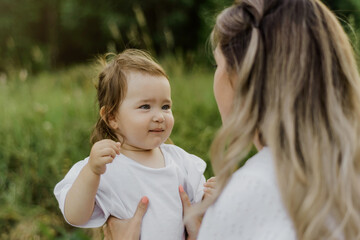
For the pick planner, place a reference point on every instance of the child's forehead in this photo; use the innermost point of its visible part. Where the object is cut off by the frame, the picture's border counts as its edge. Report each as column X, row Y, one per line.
column 146, row 80
column 135, row 74
column 147, row 85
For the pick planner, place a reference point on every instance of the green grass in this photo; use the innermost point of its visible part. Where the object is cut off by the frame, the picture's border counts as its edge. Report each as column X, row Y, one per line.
column 45, row 124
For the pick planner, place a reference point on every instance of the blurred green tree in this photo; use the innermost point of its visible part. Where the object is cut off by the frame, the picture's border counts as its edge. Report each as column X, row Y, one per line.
column 46, row 34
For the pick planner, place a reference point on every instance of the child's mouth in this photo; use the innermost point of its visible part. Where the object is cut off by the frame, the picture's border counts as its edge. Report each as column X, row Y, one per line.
column 157, row 130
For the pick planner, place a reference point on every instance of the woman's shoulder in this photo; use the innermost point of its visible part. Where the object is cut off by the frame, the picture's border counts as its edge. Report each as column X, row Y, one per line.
column 250, row 206
column 254, row 184
column 259, row 168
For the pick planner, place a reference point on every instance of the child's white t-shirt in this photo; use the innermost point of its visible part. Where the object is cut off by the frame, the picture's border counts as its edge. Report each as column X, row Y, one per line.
column 125, row 182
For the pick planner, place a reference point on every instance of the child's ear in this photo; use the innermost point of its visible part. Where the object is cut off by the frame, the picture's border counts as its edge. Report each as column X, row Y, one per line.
column 109, row 119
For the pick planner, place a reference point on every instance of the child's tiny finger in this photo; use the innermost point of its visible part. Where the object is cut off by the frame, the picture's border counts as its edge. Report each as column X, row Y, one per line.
column 210, row 184
column 116, row 147
column 212, row 179
column 108, row 159
column 207, row 190
column 109, row 152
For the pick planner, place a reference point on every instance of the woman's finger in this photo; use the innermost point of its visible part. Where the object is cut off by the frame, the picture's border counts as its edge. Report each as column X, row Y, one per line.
column 184, row 199
column 192, row 224
column 141, row 209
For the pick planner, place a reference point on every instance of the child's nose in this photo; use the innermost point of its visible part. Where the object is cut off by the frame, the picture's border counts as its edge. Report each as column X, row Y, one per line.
column 158, row 117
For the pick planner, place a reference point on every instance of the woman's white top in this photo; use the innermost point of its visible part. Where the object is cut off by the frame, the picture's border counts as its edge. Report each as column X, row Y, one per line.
column 250, row 206
column 125, row 182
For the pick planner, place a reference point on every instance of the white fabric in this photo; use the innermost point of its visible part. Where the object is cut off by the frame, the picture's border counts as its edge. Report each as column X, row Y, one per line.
column 125, row 182
column 250, row 207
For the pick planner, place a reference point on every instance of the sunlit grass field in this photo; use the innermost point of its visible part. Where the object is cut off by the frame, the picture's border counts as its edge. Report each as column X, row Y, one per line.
column 45, row 124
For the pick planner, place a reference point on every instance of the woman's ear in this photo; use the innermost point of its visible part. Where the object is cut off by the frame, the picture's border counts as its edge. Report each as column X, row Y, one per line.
column 109, row 119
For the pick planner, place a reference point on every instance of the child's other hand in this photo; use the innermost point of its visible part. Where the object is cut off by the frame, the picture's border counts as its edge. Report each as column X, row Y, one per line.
column 209, row 187
column 102, row 153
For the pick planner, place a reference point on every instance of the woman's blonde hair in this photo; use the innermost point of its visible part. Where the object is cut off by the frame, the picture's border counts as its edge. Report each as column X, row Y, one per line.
column 112, row 85
column 297, row 84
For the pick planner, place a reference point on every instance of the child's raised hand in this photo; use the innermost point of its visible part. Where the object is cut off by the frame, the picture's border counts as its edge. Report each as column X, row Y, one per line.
column 209, row 187
column 102, row 153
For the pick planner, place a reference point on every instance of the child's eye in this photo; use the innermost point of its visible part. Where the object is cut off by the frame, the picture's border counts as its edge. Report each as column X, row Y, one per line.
column 145, row 106
column 165, row 107
column 215, row 66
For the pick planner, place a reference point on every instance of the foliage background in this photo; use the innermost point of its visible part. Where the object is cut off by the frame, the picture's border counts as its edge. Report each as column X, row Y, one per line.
column 47, row 95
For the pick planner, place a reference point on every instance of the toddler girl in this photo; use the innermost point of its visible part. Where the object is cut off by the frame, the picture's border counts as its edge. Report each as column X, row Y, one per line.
column 128, row 158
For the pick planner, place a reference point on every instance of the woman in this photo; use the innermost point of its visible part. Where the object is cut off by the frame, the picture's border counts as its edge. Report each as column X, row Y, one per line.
column 287, row 80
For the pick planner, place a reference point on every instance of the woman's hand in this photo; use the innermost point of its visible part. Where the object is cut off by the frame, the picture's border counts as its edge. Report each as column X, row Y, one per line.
column 192, row 223
column 126, row 229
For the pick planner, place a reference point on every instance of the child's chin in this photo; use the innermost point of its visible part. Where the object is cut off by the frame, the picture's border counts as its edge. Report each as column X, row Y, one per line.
column 154, row 145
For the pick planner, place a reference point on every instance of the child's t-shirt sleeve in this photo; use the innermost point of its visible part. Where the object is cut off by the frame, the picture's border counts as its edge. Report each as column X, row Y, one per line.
column 200, row 191
column 193, row 168
column 100, row 213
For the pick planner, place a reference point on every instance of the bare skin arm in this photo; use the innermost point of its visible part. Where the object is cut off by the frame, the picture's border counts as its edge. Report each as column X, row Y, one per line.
column 80, row 200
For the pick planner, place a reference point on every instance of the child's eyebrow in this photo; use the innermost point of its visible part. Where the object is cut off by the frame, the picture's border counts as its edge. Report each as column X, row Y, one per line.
column 151, row 100
column 145, row 100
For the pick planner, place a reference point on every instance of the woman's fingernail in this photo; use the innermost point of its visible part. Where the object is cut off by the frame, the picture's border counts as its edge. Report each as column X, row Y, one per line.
column 181, row 189
column 144, row 200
